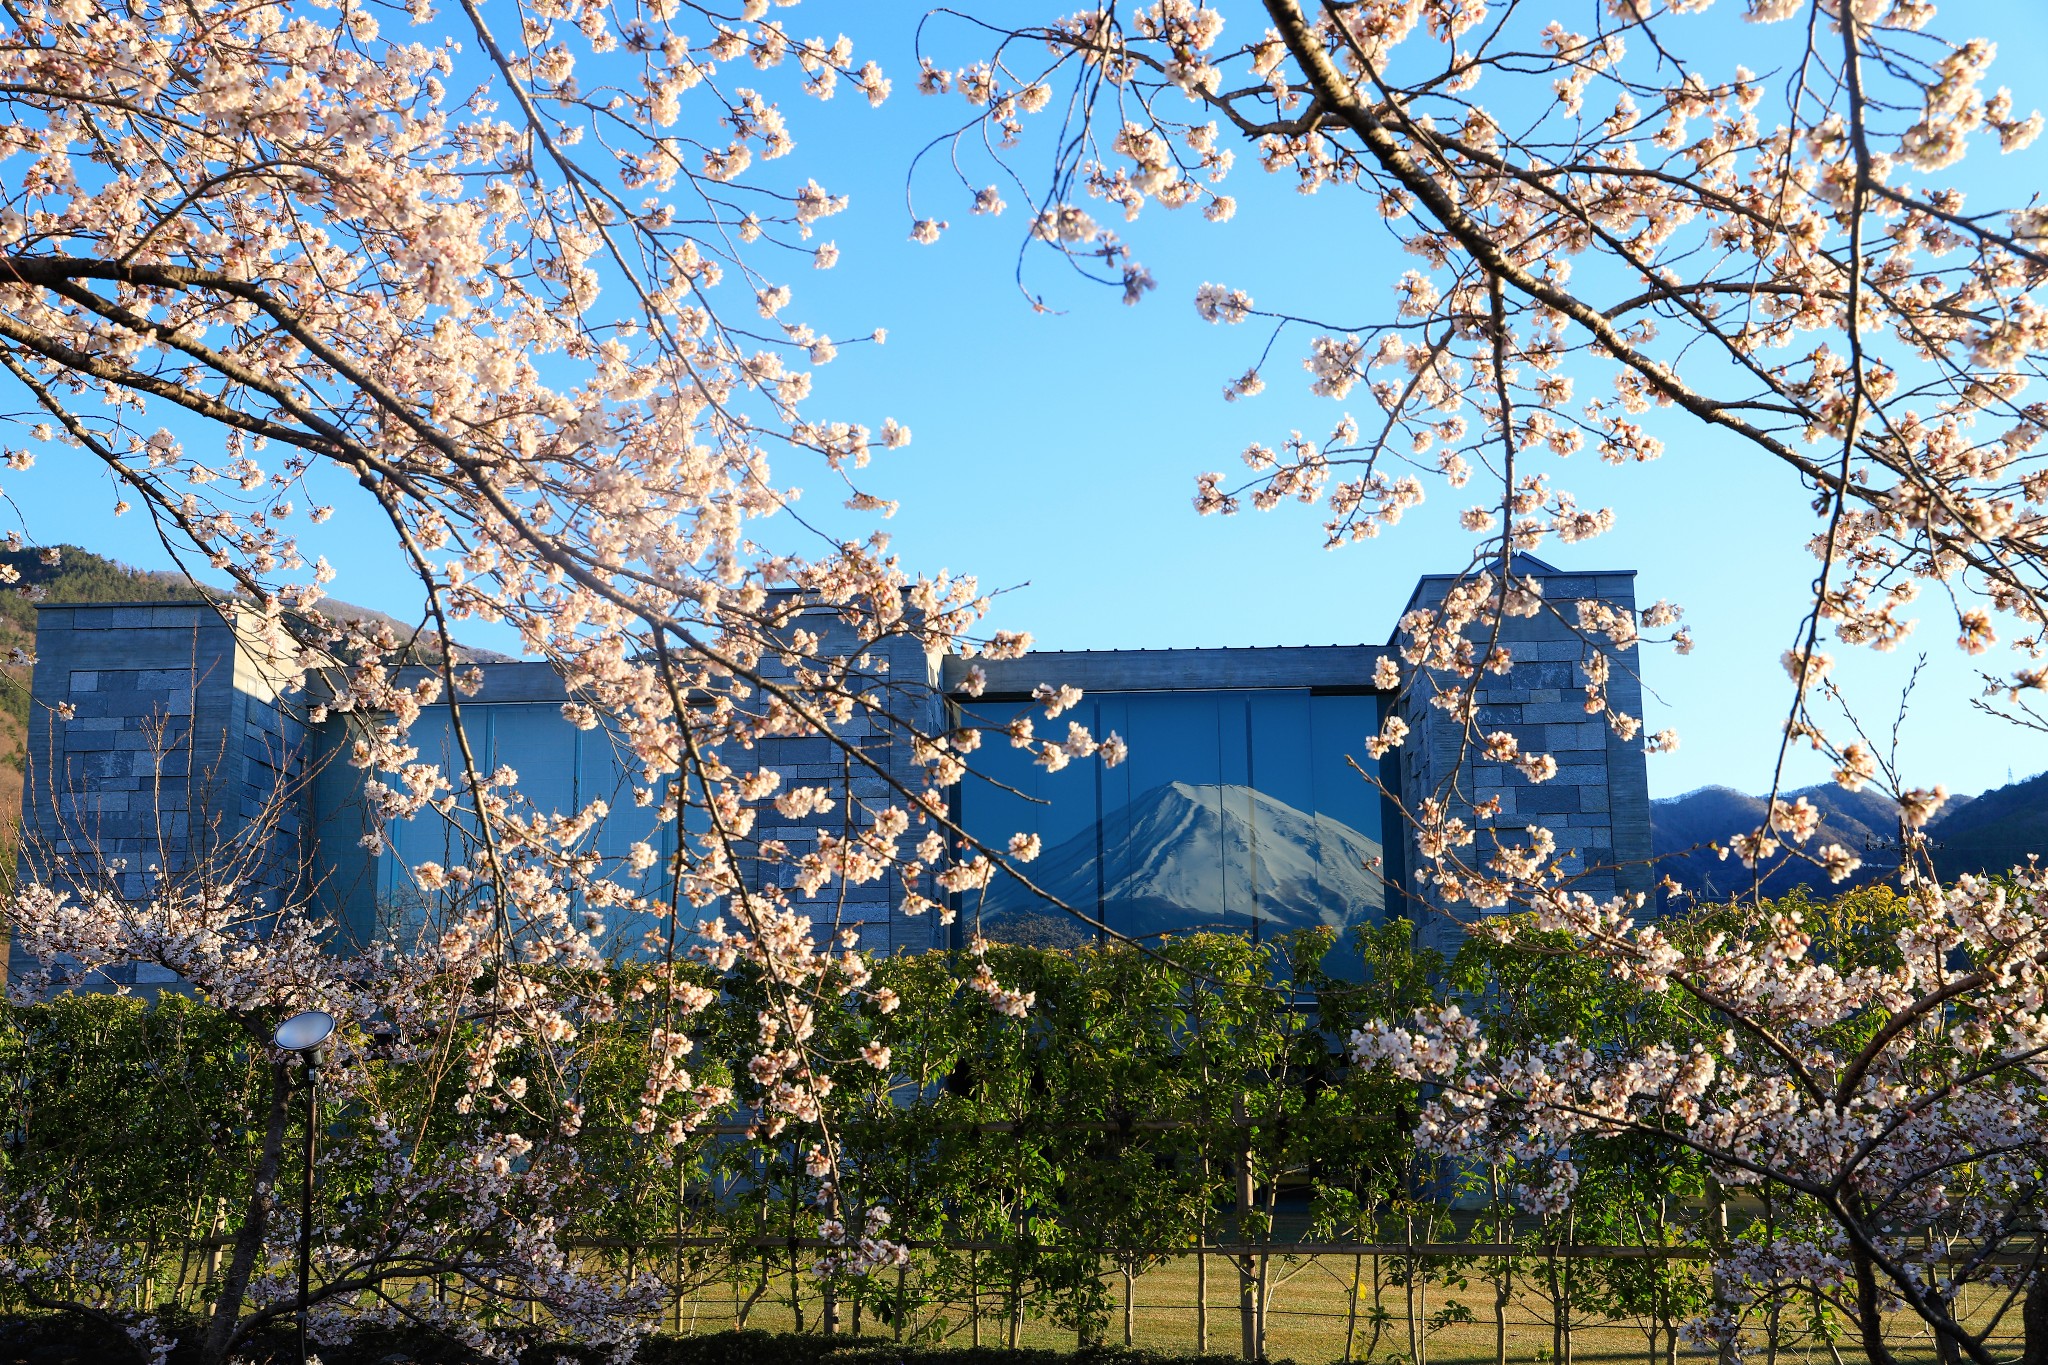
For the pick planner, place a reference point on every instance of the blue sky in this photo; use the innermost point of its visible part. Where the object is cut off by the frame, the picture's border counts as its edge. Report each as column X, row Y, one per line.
column 1055, row 453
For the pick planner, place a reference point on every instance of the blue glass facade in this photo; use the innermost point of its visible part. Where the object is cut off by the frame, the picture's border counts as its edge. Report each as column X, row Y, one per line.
column 1236, row 810
column 561, row 771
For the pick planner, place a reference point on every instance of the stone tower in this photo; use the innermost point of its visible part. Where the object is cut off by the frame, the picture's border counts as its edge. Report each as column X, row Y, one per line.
column 1598, row 805
column 158, row 746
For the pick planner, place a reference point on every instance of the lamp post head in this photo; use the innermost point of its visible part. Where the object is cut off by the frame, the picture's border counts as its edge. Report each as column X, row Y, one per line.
column 305, row 1033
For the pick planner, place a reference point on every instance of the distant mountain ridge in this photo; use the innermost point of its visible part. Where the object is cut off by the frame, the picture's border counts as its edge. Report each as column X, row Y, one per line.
column 1979, row 834
column 1186, row 855
column 79, row 575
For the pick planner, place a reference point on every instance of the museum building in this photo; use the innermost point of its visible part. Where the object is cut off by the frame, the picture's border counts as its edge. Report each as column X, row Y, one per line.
column 1248, row 802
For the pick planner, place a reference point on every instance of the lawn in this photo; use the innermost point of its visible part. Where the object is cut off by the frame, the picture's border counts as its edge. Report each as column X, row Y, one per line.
column 1310, row 1312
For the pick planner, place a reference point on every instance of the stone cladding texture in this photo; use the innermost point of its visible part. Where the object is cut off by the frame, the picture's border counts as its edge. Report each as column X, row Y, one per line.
column 1597, row 806
column 177, row 752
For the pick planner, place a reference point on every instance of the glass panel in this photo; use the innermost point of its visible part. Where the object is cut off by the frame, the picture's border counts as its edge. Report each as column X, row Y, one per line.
column 605, row 771
column 1011, row 794
column 561, row 771
column 1166, row 822
column 1237, row 810
column 427, row 838
column 1274, row 813
column 1347, row 806
column 536, row 743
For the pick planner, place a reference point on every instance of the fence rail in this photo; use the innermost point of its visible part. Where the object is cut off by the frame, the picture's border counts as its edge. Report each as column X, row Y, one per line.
column 1417, row 1249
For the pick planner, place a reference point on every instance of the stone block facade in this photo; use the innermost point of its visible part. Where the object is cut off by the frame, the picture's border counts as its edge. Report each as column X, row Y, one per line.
column 1597, row 806
column 158, row 747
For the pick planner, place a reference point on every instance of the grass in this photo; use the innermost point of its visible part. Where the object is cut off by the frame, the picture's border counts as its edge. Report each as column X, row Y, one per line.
column 1307, row 1319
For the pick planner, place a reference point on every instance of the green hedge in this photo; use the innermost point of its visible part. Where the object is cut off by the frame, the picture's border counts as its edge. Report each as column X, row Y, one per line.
column 1150, row 1101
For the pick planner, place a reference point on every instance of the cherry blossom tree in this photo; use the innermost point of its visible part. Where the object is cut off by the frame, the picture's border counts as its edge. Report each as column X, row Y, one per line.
column 1618, row 229
column 434, row 1177
column 1607, row 216
column 518, row 284
column 1897, row 1108
column 512, row 284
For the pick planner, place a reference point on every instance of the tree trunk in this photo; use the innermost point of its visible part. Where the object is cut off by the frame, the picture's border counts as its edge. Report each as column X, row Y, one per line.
column 1571, row 1236
column 227, row 1305
column 1870, row 1311
column 1379, row 1308
column 1408, row 1291
column 1422, row 1312
column 742, row 1311
column 1247, row 1308
column 1717, row 1277
column 1502, row 1288
column 1663, row 1282
column 680, row 1277
column 1774, row 1321
column 1945, row 1348
column 2034, row 1320
column 1202, row 1257
column 1265, row 1298
column 1503, row 1284
column 1351, row 1307
column 1550, row 1287
column 1247, row 1284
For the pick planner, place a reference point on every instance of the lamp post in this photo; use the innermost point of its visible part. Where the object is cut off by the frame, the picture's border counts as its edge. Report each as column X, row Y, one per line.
column 306, row 1033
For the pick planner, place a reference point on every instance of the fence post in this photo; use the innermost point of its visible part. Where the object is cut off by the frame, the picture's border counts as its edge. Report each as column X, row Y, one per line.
column 676, row 1155
column 1418, row 1296
column 1571, row 1237
column 1351, row 1306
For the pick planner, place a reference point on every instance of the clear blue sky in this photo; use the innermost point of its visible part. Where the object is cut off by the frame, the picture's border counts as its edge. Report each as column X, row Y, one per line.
column 1055, row 453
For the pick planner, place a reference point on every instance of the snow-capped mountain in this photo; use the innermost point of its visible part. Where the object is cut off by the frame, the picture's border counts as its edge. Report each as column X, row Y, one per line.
column 1189, row 855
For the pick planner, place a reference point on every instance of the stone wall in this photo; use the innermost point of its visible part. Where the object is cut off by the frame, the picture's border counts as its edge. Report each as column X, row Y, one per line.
column 1598, row 805
column 156, row 747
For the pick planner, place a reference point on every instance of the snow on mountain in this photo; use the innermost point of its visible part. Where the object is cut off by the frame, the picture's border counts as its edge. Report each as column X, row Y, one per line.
column 1188, row 855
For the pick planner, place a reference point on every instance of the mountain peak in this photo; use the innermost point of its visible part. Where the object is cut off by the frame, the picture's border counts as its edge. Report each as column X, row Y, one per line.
column 1189, row 855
